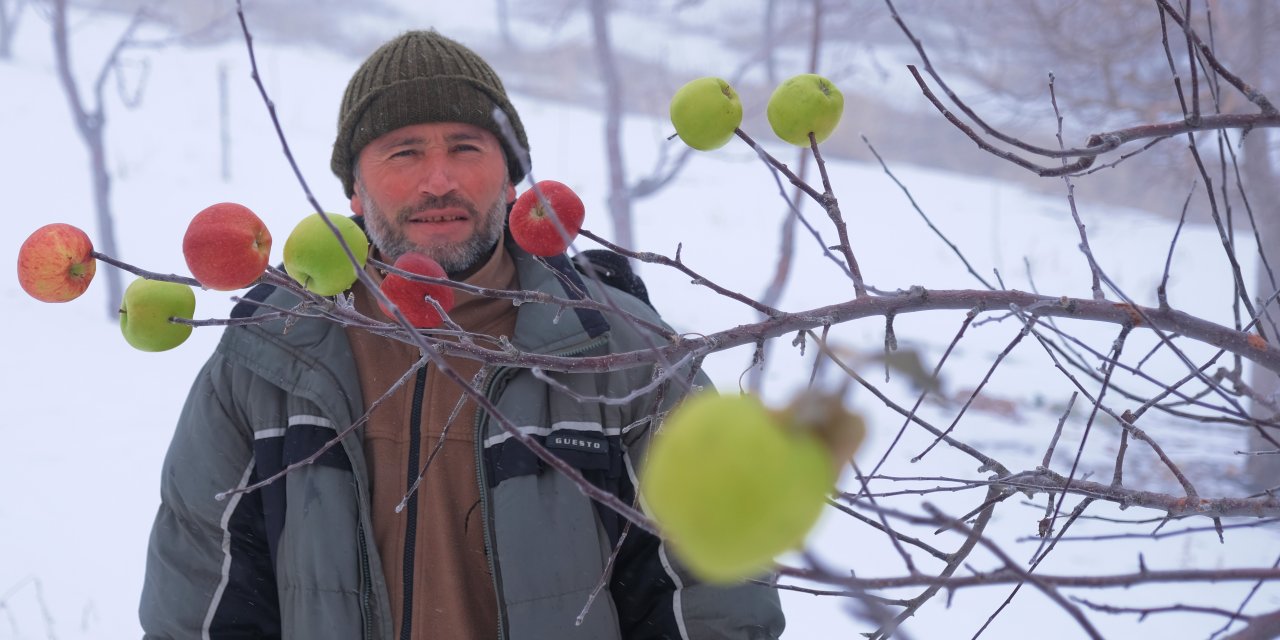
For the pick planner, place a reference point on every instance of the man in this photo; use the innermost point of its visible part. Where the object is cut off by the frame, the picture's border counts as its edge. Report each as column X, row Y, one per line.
column 491, row 543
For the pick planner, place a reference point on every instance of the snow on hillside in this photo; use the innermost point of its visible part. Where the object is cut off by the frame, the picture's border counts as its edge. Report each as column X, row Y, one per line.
column 88, row 419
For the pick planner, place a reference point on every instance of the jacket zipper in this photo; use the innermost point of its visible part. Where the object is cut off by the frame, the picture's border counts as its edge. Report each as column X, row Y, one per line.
column 366, row 580
column 366, row 575
column 490, row 552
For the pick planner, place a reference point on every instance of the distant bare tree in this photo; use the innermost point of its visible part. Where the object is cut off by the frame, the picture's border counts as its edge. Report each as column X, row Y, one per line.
column 91, row 121
column 769, row 41
column 619, row 203
column 224, row 122
column 622, row 191
column 1262, row 178
column 625, row 81
column 324, row 23
column 504, row 23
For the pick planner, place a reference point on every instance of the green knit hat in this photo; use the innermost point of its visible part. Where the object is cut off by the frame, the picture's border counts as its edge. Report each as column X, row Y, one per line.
column 421, row 76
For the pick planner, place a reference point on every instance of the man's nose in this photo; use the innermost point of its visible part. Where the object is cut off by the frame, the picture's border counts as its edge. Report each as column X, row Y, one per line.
column 436, row 179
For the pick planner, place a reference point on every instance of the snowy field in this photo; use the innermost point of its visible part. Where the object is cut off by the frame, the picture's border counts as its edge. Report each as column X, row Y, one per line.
column 87, row 418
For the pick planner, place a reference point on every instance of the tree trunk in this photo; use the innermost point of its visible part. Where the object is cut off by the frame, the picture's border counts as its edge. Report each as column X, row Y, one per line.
column 619, row 195
column 504, row 24
column 224, row 121
column 10, row 12
column 1261, row 179
column 1264, row 470
column 770, row 46
column 102, row 207
column 90, row 124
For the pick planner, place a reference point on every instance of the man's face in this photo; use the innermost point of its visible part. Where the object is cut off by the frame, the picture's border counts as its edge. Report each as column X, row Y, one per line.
column 438, row 188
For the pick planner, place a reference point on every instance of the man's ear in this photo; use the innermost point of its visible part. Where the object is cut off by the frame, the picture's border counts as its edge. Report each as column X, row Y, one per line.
column 511, row 193
column 357, row 205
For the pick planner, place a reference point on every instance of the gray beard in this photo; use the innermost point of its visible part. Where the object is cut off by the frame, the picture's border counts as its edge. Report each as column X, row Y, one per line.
column 455, row 258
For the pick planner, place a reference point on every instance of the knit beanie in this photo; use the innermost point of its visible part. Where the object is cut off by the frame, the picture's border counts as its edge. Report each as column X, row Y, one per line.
column 421, row 76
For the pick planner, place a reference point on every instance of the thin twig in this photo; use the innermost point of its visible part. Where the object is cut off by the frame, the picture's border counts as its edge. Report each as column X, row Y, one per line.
column 1022, row 333
column 1096, row 286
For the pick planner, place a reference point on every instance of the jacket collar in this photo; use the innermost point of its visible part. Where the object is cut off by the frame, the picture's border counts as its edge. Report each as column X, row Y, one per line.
column 309, row 356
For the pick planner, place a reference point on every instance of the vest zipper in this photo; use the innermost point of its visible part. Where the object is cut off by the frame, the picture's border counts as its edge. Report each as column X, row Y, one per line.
column 490, row 552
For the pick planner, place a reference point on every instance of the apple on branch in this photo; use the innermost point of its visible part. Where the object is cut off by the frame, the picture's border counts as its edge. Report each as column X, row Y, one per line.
column 226, row 247
column 532, row 225
column 411, row 295
column 145, row 312
column 56, row 263
column 803, row 104
column 313, row 256
column 706, row 112
column 733, row 484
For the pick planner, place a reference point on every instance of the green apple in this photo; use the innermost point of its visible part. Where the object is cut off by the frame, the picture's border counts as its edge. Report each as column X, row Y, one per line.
column 313, row 256
column 706, row 112
column 803, row 104
column 145, row 313
column 732, row 484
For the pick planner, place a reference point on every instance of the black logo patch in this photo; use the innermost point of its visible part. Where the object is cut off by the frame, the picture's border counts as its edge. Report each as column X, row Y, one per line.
column 577, row 442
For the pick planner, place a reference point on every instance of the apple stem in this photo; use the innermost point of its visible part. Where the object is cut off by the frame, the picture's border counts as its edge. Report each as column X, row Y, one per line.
column 544, row 210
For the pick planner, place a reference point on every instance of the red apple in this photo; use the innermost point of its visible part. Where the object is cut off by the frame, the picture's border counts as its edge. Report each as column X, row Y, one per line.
column 531, row 222
column 56, row 263
column 227, row 247
column 411, row 295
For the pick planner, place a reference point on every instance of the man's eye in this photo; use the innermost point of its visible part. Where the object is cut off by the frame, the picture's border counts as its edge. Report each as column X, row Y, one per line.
column 465, row 148
column 404, row 153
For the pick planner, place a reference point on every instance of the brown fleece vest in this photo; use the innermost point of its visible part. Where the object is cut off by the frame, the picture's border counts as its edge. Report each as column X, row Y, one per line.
column 452, row 589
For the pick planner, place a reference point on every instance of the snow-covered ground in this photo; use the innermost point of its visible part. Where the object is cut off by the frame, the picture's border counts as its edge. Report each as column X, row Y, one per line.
column 87, row 419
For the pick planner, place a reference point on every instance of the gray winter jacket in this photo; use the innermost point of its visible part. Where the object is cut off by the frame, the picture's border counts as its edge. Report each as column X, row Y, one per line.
column 295, row 559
